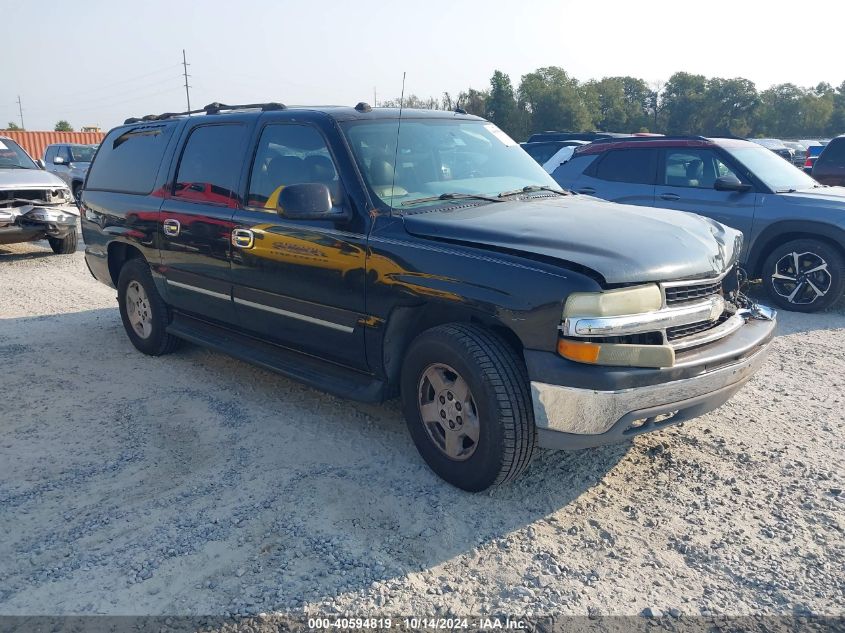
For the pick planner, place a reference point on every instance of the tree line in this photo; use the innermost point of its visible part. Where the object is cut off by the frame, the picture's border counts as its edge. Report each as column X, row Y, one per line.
column 550, row 99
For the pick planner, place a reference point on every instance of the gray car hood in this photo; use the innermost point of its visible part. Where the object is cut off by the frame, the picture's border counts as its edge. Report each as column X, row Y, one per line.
column 622, row 243
column 828, row 197
column 29, row 179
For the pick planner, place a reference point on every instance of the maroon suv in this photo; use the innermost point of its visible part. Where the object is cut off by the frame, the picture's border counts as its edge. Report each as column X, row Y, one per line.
column 829, row 168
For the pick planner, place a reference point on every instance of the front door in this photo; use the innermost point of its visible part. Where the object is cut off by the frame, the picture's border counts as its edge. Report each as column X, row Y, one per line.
column 299, row 283
column 686, row 180
column 196, row 220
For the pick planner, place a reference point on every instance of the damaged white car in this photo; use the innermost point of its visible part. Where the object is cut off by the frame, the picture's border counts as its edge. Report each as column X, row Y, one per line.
column 34, row 204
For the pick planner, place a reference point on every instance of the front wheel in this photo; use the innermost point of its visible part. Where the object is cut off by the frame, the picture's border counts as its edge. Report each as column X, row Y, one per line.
column 804, row 275
column 64, row 245
column 144, row 313
column 467, row 403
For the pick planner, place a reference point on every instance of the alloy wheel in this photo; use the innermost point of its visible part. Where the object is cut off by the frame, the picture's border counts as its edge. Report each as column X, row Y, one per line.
column 448, row 411
column 138, row 309
column 801, row 278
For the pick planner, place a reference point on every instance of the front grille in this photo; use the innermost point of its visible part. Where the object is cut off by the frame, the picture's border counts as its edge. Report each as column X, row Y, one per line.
column 676, row 295
column 21, row 197
column 681, row 331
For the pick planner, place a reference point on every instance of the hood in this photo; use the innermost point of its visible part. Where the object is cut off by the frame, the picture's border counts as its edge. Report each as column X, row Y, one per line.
column 622, row 243
column 29, row 179
column 830, row 197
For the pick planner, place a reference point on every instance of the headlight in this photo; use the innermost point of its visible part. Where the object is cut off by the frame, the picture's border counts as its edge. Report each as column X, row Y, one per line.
column 614, row 302
column 59, row 195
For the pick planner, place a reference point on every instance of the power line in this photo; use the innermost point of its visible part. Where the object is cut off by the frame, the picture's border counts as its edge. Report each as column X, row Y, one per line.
column 185, row 65
column 109, row 85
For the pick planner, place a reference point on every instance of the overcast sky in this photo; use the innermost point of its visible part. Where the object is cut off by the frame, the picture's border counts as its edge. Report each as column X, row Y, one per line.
column 96, row 62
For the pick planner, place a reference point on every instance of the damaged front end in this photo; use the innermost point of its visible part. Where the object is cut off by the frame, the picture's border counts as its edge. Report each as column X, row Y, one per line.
column 31, row 214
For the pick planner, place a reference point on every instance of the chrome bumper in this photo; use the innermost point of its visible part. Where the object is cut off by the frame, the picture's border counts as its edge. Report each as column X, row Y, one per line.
column 578, row 411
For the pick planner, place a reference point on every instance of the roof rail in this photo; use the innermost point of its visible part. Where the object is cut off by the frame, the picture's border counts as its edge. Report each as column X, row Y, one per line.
column 211, row 108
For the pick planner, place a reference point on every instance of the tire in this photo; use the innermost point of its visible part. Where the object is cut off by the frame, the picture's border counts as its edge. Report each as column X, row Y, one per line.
column 77, row 192
column 64, row 245
column 136, row 281
column 498, row 410
column 820, row 275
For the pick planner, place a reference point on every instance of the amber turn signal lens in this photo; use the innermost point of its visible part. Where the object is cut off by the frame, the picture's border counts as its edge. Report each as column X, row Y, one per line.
column 580, row 352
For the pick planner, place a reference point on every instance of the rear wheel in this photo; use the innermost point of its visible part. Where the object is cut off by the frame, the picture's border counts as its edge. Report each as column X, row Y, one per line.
column 804, row 275
column 144, row 313
column 65, row 245
column 467, row 403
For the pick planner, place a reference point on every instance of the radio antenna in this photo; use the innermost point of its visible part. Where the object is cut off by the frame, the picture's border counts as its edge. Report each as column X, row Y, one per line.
column 396, row 149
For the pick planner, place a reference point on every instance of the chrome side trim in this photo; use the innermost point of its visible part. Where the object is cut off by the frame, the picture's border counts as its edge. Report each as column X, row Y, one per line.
column 708, row 310
column 708, row 336
column 296, row 315
column 210, row 293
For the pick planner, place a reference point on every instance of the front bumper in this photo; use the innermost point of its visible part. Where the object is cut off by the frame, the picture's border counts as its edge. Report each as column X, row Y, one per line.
column 570, row 413
column 32, row 222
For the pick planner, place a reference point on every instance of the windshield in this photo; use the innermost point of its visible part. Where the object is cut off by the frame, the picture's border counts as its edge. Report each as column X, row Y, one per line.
column 12, row 156
column 440, row 157
column 777, row 174
column 82, row 153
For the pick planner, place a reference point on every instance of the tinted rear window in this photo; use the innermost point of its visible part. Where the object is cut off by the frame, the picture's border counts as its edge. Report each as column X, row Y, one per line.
column 628, row 165
column 129, row 158
column 834, row 153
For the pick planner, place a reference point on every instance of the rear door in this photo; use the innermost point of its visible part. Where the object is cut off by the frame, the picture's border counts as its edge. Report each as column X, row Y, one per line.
column 196, row 217
column 621, row 175
column 686, row 181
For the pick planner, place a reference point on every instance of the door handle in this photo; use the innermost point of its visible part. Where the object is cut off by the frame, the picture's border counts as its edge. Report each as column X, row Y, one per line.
column 669, row 196
column 588, row 191
column 243, row 238
column 172, row 227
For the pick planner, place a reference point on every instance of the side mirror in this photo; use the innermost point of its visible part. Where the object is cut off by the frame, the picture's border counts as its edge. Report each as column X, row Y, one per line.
column 40, row 163
column 308, row 201
column 730, row 183
column 58, row 160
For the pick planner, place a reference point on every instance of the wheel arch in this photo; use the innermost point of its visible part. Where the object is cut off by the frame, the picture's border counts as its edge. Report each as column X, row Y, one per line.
column 118, row 254
column 407, row 322
column 783, row 232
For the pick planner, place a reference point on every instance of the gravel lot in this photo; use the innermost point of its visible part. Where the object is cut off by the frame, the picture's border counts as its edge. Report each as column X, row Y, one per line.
column 198, row 484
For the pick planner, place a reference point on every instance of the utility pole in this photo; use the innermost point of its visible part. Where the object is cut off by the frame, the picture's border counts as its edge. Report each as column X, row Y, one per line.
column 185, row 65
column 20, row 110
column 375, row 99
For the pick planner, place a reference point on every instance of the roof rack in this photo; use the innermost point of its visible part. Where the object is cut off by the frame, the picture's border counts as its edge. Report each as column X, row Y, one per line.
column 211, row 108
column 646, row 139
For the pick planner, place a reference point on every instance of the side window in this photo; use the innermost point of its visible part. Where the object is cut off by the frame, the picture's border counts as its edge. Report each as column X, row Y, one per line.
column 64, row 152
column 290, row 154
column 129, row 159
column 834, row 153
column 49, row 155
column 694, row 168
column 628, row 165
column 210, row 165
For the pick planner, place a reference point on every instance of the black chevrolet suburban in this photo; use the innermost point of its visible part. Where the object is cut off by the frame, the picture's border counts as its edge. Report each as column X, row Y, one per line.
column 422, row 254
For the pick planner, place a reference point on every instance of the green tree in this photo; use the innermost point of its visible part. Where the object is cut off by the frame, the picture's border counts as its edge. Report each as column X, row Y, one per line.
column 553, row 101
column 729, row 107
column 13, row 126
column 683, row 103
column 473, row 101
column 502, row 107
column 618, row 104
column 780, row 111
column 63, row 126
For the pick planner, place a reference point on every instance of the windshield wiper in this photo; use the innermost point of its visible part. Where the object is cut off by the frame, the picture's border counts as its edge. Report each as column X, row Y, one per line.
column 786, row 191
column 15, row 167
column 451, row 196
column 532, row 188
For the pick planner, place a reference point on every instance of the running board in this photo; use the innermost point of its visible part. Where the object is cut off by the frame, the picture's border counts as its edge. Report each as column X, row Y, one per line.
column 334, row 379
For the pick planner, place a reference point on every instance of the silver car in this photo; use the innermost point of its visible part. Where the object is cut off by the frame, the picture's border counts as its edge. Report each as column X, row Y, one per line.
column 34, row 204
column 70, row 162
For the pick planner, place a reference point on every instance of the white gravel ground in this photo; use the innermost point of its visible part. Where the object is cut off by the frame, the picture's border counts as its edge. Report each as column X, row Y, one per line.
column 198, row 484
